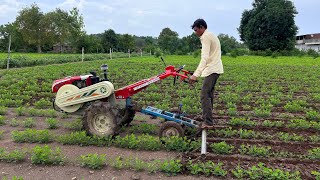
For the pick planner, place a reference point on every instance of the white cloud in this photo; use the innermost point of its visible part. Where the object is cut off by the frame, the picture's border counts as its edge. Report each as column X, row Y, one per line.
column 69, row 4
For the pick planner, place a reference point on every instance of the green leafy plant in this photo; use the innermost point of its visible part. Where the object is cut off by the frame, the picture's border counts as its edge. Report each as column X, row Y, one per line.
column 242, row 122
column 314, row 153
column 255, row 150
column 20, row 111
column 181, row 144
column 43, row 103
column 3, row 110
column 247, row 134
column 45, row 155
column 262, row 172
column 171, row 167
column 299, row 124
column 316, row 174
column 32, row 136
column 2, row 120
column 52, row 123
column 1, row 134
column 28, row 123
column 93, row 161
column 14, row 122
column 313, row 115
column 294, row 106
column 290, row 137
column 222, row 148
column 144, row 128
column 75, row 125
column 81, row 138
column 207, row 168
column 13, row 156
column 268, row 123
column 232, row 111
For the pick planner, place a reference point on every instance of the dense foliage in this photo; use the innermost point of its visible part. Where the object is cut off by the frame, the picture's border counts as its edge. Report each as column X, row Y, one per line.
column 269, row 25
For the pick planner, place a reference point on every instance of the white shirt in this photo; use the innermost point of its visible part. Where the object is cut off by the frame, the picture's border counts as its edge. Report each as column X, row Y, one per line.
column 210, row 56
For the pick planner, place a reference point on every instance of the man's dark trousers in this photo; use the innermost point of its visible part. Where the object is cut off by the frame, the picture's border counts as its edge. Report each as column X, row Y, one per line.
column 206, row 97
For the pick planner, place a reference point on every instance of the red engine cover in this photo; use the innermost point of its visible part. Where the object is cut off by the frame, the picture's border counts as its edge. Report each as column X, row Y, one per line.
column 69, row 80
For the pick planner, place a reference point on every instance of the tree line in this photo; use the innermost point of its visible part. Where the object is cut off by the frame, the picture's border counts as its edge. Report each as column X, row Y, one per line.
column 268, row 26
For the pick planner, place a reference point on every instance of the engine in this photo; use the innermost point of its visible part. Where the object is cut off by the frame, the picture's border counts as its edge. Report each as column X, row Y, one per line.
column 79, row 81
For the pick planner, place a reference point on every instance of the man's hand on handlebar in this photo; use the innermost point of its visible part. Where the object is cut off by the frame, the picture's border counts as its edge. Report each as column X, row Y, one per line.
column 192, row 79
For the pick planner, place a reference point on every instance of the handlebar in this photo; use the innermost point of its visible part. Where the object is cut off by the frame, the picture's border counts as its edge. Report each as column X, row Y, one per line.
column 178, row 70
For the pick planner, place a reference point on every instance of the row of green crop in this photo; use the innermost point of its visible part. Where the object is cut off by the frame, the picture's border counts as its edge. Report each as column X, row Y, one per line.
column 254, row 83
column 271, row 136
column 150, row 143
column 18, row 60
column 46, row 155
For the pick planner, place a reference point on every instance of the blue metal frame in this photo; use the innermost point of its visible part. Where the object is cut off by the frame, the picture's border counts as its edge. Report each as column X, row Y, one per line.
column 168, row 116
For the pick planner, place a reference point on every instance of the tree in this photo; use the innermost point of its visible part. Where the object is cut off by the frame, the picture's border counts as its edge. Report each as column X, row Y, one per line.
column 64, row 27
column 109, row 40
column 126, row 42
column 269, row 25
column 90, row 43
column 193, row 42
column 228, row 43
column 76, row 25
column 168, row 40
column 17, row 42
column 29, row 24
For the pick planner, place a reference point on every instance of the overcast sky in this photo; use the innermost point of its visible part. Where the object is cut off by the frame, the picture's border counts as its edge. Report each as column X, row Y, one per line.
column 149, row 17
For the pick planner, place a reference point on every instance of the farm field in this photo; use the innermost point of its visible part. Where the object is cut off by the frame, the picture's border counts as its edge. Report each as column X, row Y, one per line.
column 267, row 112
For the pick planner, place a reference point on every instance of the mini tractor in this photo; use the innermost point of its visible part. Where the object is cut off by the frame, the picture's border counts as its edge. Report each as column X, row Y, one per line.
column 105, row 109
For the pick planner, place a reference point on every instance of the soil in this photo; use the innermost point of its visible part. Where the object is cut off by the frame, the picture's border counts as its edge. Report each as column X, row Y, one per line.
column 72, row 168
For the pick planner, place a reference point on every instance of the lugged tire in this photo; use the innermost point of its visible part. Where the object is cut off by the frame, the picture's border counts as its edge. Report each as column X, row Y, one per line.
column 100, row 119
column 170, row 128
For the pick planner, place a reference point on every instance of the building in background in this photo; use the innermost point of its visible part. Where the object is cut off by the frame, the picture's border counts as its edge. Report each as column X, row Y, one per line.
column 63, row 48
column 308, row 41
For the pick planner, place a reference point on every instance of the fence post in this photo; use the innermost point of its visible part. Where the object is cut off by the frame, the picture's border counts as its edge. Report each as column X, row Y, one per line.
column 141, row 52
column 82, row 57
column 110, row 52
column 150, row 52
column 9, row 51
column 129, row 52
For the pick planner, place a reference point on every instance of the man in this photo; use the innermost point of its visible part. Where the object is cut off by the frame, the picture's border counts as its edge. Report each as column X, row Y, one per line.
column 210, row 67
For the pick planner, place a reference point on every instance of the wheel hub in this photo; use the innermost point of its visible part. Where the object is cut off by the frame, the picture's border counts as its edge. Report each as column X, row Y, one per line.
column 101, row 123
column 171, row 132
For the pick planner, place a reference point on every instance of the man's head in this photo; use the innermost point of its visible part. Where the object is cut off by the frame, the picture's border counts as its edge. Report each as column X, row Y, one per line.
column 199, row 26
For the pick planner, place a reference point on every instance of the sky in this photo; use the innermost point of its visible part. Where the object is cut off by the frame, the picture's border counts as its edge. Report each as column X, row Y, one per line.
column 149, row 17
